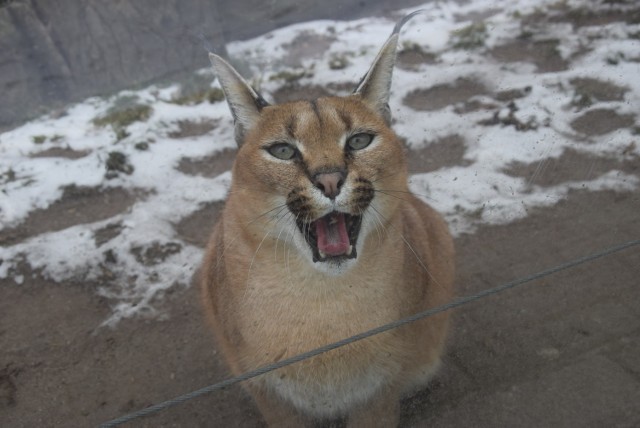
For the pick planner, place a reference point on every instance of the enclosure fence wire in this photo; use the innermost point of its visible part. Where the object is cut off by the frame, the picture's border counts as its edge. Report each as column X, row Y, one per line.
column 381, row 329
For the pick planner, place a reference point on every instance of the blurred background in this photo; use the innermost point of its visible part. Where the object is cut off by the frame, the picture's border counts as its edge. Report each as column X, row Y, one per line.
column 53, row 52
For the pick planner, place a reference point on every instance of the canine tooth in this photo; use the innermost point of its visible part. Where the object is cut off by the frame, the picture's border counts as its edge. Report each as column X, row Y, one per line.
column 350, row 250
column 322, row 255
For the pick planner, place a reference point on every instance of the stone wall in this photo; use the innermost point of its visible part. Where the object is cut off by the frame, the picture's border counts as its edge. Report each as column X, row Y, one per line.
column 56, row 51
column 53, row 52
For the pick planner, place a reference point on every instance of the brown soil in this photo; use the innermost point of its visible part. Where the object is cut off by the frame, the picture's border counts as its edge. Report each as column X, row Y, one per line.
column 189, row 128
column 445, row 152
column 60, row 152
column 295, row 92
column 190, row 228
column 441, row 96
column 601, row 121
column 412, row 58
column 598, row 90
column 209, row 166
column 307, row 44
column 571, row 166
column 542, row 53
column 78, row 205
column 59, row 368
column 582, row 17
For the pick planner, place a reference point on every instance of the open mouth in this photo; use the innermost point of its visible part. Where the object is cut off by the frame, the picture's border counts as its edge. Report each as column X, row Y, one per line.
column 332, row 237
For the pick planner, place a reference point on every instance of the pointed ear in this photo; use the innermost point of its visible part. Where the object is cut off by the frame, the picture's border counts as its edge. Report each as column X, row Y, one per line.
column 375, row 86
column 244, row 102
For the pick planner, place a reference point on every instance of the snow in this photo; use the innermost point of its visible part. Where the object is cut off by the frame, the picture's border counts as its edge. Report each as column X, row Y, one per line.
column 469, row 196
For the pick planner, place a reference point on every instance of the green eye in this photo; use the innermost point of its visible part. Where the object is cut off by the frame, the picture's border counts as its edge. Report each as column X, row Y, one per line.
column 282, row 151
column 359, row 141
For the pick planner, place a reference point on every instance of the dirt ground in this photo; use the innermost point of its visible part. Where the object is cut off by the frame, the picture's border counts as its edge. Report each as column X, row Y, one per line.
column 561, row 351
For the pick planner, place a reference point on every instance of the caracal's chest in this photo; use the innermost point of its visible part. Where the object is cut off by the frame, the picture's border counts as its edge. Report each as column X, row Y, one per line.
column 296, row 311
column 301, row 309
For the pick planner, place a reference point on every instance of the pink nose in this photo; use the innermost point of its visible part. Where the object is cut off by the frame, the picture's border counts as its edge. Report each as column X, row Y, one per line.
column 329, row 183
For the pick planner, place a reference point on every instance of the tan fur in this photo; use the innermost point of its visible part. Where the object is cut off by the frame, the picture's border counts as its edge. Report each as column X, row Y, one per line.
column 267, row 300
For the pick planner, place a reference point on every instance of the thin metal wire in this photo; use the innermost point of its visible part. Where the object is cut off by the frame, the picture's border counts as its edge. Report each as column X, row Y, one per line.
column 418, row 316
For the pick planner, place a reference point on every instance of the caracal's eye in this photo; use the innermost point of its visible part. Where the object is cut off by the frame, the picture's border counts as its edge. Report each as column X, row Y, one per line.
column 359, row 141
column 284, row 151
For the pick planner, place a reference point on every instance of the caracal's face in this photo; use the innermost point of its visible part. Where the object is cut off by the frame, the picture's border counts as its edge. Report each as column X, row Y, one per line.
column 322, row 175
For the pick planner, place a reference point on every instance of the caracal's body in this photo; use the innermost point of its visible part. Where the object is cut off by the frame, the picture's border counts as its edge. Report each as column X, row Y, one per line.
column 320, row 239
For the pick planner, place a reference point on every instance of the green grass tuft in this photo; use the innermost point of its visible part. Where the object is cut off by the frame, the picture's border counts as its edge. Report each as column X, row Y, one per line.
column 123, row 114
column 472, row 36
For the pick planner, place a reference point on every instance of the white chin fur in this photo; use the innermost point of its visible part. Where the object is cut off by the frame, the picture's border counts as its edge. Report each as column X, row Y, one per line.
column 332, row 399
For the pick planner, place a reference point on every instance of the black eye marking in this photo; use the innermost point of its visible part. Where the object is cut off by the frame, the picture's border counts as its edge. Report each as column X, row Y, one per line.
column 359, row 141
column 284, row 151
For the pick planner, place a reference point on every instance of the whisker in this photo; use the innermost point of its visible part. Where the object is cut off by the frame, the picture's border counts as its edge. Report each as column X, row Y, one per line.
column 255, row 254
column 224, row 250
column 307, row 225
column 246, row 288
column 392, row 196
column 375, row 179
column 287, row 213
column 290, row 235
column 281, row 206
column 275, row 251
column 420, row 262
column 379, row 226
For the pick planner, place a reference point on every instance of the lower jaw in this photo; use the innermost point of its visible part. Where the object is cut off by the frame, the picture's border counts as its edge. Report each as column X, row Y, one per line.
column 319, row 256
column 326, row 256
column 331, row 259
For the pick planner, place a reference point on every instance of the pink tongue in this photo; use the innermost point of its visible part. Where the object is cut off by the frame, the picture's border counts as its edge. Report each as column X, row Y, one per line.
column 331, row 231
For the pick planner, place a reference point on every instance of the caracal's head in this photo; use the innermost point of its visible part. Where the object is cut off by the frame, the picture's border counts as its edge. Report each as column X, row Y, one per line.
column 320, row 175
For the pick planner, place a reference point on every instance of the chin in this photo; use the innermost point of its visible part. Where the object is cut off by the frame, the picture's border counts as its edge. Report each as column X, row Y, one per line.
column 330, row 266
column 335, row 266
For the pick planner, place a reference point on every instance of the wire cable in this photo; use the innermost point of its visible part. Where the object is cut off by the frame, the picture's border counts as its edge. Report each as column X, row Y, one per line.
column 378, row 330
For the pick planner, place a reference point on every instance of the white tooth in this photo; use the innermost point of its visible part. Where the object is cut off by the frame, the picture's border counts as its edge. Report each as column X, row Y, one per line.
column 322, row 255
column 350, row 250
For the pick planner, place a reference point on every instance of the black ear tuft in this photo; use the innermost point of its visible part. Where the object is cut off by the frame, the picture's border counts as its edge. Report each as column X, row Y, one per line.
column 375, row 86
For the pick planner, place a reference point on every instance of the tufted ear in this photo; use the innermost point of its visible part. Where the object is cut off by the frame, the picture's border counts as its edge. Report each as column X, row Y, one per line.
column 375, row 86
column 244, row 102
